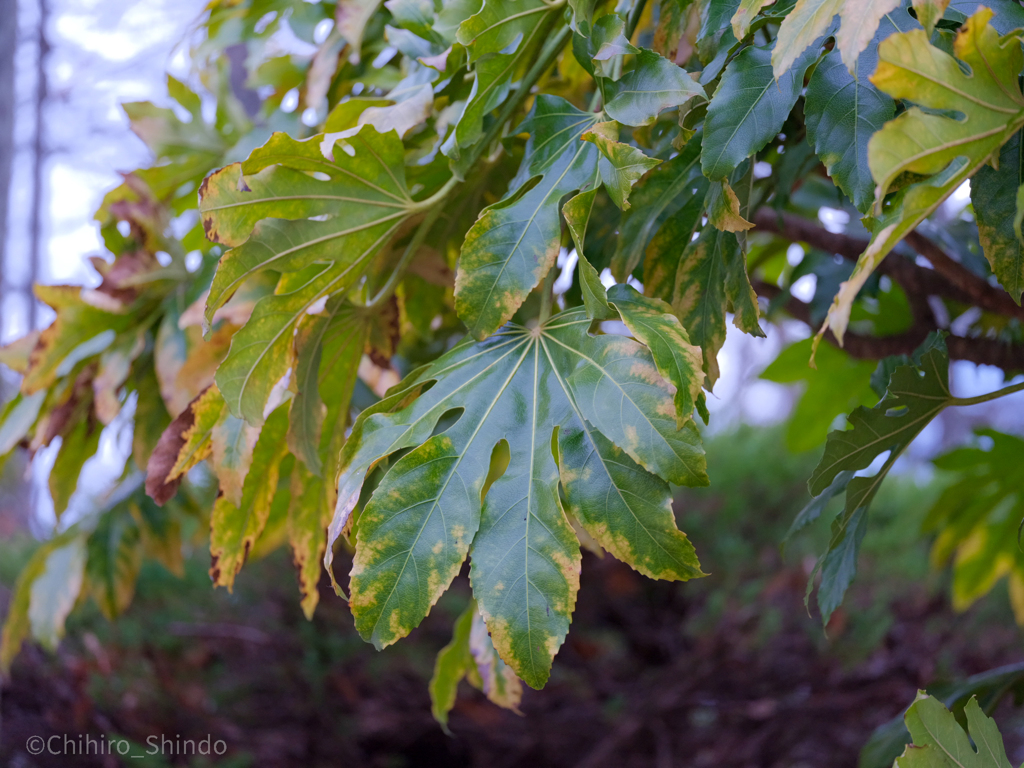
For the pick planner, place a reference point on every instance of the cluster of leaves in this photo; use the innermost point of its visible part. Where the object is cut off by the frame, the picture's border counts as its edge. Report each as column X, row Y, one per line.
column 450, row 157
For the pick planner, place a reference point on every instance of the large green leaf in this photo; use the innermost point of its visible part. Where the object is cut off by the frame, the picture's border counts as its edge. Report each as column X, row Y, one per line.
column 264, row 349
column 944, row 150
column 54, row 591
column 77, row 447
column 514, row 243
column 811, row 19
column 651, row 322
column 654, row 84
column 940, row 742
column 432, row 507
column 994, row 196
column 18, row 624
column 748, row 109
column 273, row 197
column 915, row 396
column 81, row 329
column 843, row 112
column 308, row 515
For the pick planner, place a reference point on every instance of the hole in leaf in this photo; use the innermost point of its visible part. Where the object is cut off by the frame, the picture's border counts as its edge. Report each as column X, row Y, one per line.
column 500, row 458
column 447, row 420
column 900, row 410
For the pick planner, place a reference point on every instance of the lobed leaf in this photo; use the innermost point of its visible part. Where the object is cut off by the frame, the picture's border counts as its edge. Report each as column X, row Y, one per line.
column 432, row 506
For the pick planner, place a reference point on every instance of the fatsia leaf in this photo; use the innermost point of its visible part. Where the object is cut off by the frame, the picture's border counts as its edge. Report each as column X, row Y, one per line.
column 748, row 108
column 703, row 279
column 514, row 243
column 351, row 18
column 471, row 655
column 577, row 216
column 234, row 528
column 232, row 441
column 843, row 113
column 16, row 354
column 912, row 401
column 745, row 14
column 859, row 23
column 1009, row 16
column 944, row 150
column 18, row 417
column 679, row 362
column 113, row 560
column 54, row 591
column 811, row 19
column 929, row 13
column 273, row 197
column 940, row 742
column 427, row 513
column 77, row 447
column 654, row 84
column 994, row 193
column 606, row 40
column 673, row 185
column 452, row 663
column 80, row 330
column 329, row 346
column 183, row 444
column 915, row 396
column 263, row 350
column 500, row 39
column 620, row 164
column 308, row 515
column 17, row 625
column 977, row 516
column 492, row 675
column 807, row 22
column 723, row 207
column 715, row 38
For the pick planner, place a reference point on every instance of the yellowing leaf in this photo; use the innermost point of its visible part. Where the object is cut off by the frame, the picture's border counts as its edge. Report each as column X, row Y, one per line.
column 235, row 527
column 515, row 242
column 943, row 149
column 308, row 516
column 745, row 14
column 807, row 22
column 620, row 164
column 858, row 24
column 929, row 13
column 724, row 209
column 426, row 514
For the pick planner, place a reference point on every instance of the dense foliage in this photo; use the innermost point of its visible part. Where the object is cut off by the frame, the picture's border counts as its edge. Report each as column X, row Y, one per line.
column 273, row 270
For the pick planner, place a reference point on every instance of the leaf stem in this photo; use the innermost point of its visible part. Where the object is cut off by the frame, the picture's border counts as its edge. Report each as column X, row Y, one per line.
column 546, row 296
column 437, row 197
column 990, row 396
column 410, row 250
column 634, row 18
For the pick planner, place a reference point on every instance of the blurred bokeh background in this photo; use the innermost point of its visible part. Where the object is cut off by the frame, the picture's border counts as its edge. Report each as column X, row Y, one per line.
column 733, row 666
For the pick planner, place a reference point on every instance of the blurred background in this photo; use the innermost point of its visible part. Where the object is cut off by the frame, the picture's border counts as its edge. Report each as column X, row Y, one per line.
column 732, row 666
